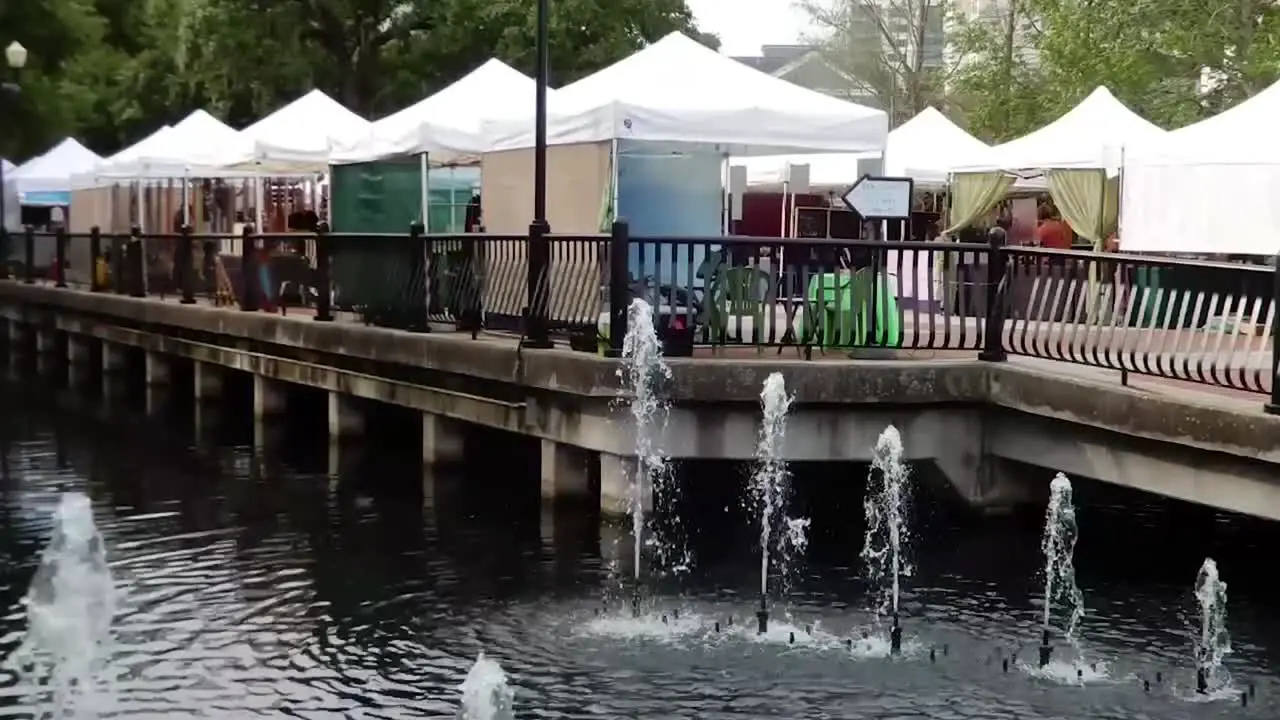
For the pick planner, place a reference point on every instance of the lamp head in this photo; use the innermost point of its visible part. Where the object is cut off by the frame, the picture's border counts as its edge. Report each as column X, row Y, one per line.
column 15, row 55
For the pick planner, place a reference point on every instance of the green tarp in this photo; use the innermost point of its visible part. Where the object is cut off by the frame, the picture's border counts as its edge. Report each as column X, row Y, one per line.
column 384, row 275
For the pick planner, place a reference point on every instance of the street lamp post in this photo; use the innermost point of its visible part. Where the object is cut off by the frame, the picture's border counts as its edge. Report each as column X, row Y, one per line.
column 538, row 275
column 15, row 57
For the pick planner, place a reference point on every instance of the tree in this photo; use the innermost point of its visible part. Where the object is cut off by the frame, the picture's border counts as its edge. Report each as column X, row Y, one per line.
column 377, row 56
column 998, row 86
column 1172, row 62
column 893, row 49
column 111, row 71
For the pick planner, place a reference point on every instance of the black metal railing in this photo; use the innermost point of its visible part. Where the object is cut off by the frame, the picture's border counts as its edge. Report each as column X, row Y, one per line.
column 1201, row 322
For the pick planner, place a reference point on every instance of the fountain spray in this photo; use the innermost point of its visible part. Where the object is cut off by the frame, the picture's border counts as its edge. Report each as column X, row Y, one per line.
column 884, row 549
column 642, row 370
column 1058, row 544
column 770, row 477
column 1213, row 643
column 485, row 692
column 70, row 606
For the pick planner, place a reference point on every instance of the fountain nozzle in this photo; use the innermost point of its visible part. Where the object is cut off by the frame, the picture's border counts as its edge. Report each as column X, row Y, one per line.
column 762, row 618
column 895, row 636
column 1046, row 650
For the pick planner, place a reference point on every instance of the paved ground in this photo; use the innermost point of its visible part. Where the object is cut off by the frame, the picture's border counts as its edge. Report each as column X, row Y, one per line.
column 1223, row 360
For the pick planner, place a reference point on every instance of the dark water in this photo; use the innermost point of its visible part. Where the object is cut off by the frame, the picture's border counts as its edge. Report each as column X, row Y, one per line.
column 260, row 584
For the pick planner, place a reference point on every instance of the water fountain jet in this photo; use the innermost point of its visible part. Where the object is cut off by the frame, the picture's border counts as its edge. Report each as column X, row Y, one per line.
column 70, row 607
column 485, row 692
column 770, row 477
column 642, row 370
column 1058, row 545
column 884, row 549
column 1213, row 643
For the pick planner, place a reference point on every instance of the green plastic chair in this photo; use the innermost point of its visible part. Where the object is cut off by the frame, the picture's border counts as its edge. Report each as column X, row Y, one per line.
column 839, row 308
column 739, row 292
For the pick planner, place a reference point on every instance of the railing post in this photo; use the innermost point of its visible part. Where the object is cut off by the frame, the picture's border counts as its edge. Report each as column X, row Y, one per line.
column 248, row 271
column 415, row 309
column 60, row 258
column 323, row 279
column 29, row 255
column 993, row 334
column 137, row 263
column 95, row 256
column 119, row 281
column 186, row 273
column 467, row 303
column 537, row 287
column 619, row 286
column 1273, row 403
column 431, row 273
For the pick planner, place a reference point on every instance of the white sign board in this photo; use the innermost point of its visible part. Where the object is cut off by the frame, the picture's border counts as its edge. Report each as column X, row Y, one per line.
column 880, row 198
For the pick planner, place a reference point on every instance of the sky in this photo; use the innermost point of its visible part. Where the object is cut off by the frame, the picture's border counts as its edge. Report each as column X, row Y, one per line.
column 745, row 25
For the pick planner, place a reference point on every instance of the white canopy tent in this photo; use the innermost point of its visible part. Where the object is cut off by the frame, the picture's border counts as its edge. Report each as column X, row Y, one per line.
column 51, row 172
column 1090, row 136
column 1177, row 190
column 680, row 91
column 183, row 151
column 448, row 124
column 924, row 148
column 95, row 176
column 297, row 139
column 1079, row 155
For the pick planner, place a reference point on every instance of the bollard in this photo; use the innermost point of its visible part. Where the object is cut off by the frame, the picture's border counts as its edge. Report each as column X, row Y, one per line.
column 664, row 619
column 717, row 626
column 932, row 655
column 1146, row 685
column 946, row 648
column 791, row 638
column 1202, row 681
column 1004, row 665
column 675, row 614
column 762, row 618
column 635, row 603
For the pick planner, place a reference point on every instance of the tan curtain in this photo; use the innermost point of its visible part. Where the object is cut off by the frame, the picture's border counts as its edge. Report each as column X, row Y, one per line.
column 973, row 195
column 607, row 210
column 1088, row 200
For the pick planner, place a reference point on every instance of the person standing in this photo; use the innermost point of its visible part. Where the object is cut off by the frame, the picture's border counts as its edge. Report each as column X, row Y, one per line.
column 1051, row 233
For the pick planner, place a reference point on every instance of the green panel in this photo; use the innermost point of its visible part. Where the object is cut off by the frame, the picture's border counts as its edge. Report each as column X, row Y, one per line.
column 376, row 197
column 378, row 275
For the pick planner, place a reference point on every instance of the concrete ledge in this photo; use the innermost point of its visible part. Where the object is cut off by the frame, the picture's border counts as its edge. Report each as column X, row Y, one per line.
column 1234, row 428
column 1224, row 425
column 498, row 358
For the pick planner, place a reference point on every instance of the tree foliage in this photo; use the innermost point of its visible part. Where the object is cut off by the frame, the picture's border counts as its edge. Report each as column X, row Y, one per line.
column 110, row 71
column 1172, row 61
column 892, row 49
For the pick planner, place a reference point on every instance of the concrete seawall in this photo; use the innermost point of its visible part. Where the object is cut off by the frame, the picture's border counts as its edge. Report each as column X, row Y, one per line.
column 966, row 415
